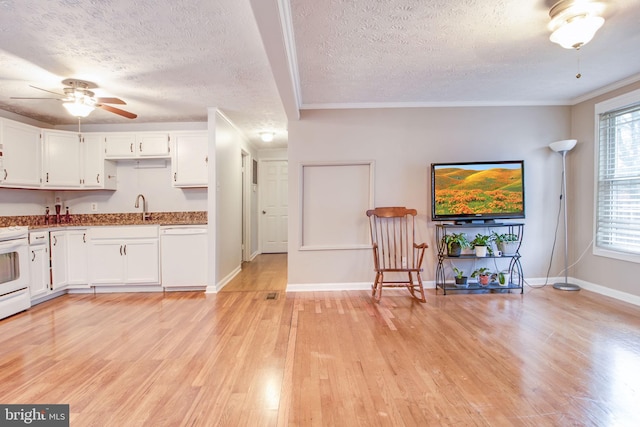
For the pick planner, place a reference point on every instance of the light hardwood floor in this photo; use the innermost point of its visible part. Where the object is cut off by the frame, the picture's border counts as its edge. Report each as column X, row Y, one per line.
column 548, row 358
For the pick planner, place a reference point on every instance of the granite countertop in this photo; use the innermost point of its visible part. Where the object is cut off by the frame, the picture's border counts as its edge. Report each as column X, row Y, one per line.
column 87, row 220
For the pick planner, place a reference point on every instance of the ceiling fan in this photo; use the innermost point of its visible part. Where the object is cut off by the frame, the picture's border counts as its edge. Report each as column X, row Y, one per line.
column 80, row 100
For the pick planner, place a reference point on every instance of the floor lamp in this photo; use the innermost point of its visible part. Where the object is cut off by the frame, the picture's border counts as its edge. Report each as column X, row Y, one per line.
column 563, row 147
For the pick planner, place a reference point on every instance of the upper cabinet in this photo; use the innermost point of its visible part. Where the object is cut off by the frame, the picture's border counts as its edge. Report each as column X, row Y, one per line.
column 97, row 172
column 125, row 145
column 61, row 159
column 20, row 155
column 189, row 159
column 76, row 161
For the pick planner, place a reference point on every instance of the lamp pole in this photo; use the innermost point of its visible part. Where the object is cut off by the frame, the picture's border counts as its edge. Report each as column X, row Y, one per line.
column 565, row 286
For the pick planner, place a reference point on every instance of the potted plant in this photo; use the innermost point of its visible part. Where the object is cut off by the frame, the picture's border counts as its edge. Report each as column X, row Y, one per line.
column 480, row 244
column 507, row 243
column 483, row 275
column 500, row 277
column 460, row 278
column 455, row 242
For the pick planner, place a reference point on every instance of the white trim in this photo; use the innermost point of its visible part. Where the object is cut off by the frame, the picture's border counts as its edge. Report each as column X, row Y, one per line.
column 345, row 286
column 228, row 278
column 606, row 89
column 444, row 104
column 284, row 7
column 603, row 290
column 301, row 244
column 366, row 286
column 600, row 108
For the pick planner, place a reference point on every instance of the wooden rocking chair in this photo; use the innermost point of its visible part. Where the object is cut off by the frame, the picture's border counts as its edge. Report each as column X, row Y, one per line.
column 395, row 250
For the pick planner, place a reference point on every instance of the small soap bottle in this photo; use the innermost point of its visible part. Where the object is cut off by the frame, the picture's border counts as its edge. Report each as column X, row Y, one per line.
column 46, row 216
column 67, row 216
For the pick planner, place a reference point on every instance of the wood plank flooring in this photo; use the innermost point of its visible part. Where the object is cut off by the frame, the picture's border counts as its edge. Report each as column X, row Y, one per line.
column 548, row 358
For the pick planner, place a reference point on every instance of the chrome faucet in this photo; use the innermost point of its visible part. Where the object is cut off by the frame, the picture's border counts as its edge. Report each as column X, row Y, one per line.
column 145, row 215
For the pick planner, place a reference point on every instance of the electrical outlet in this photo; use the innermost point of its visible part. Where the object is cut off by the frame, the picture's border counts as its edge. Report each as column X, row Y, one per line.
column 94, row 207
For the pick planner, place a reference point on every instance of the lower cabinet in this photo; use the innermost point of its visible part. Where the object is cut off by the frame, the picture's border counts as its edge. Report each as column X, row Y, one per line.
column 39, row 264
column 77, row 257
column 117, row 260
column 59, row 260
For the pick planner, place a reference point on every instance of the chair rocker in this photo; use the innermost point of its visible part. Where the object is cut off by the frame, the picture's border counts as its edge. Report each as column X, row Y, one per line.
column 395, row 251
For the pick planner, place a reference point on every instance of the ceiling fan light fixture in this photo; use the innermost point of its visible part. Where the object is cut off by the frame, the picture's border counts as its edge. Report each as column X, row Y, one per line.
column 575, row 22
column 78, row 108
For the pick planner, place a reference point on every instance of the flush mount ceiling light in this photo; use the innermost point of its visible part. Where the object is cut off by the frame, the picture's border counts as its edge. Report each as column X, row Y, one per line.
column 266, row 136
column 575, row 22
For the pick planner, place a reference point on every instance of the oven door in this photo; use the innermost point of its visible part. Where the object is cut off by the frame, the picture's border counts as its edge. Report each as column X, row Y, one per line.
column 14, row 266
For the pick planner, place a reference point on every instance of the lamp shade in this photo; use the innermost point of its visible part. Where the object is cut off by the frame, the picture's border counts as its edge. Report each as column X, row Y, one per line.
column 575, row 22
column 78, row 109
column 577, row 32
column 564, row 145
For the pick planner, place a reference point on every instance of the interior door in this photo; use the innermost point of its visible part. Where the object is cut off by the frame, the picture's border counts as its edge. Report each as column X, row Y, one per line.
column 274, row 176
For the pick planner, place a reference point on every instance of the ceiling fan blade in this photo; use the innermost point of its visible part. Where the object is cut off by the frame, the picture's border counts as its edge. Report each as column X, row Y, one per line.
column 118, row 111
column 28, row 97
column 55, row 93
column 110, row 101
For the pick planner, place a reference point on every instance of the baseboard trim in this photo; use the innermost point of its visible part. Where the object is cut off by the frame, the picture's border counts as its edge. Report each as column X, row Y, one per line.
column 346, row 286
column 224, row 282
column 603, row 290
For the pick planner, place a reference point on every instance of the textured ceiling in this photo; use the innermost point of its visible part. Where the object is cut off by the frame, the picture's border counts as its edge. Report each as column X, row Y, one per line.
column 171, row 60
column 453, row 52
column 168, row 59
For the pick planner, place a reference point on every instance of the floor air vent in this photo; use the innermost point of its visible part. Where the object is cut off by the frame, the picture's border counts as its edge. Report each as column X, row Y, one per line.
column 272, row 295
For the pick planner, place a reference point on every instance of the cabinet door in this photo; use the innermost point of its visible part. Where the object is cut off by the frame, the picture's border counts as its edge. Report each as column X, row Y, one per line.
column 142, row 261
column 58, row 259
column 120, row 145
column 78, row 257
column 190, row 159
column 97, row 172
column 61, row 159
column 39, row 270
column 21, row 155
column 152, row 144
column 106, row 262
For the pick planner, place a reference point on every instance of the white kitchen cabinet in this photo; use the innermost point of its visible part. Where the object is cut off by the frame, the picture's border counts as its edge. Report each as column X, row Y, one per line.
column 59, row 260
column 39, row 264
column 61, row 159
column 124, row 255
column 77, row 257
column 126, row 145
column 190, row 158
column 20, row 155
column 97, row 172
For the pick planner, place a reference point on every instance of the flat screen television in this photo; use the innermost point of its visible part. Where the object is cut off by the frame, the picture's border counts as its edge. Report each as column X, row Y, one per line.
column 477, row 191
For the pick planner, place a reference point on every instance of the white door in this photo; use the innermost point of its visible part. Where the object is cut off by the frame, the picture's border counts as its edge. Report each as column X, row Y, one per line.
column 58, row 260
column 61, row 159
column 274, row 200
column 78, row 251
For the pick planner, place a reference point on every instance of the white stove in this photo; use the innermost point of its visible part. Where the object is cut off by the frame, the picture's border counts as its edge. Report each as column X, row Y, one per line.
column 13, row 232
column 14, row 270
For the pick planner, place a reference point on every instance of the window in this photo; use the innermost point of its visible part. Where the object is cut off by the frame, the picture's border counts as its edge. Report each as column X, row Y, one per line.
column 617, row 219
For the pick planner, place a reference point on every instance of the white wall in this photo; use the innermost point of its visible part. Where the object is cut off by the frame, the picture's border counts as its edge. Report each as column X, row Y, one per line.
column 403, row 143
column 610, row 273
column 229, row 143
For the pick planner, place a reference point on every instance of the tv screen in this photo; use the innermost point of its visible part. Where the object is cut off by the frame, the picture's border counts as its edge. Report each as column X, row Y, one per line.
column 477, row 191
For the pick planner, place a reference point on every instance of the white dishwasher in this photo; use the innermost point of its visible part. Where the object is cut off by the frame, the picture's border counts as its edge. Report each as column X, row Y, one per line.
column 183, row 256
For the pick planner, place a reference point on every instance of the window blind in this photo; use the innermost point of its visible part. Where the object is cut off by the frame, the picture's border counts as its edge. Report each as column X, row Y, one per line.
column 618, row 193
